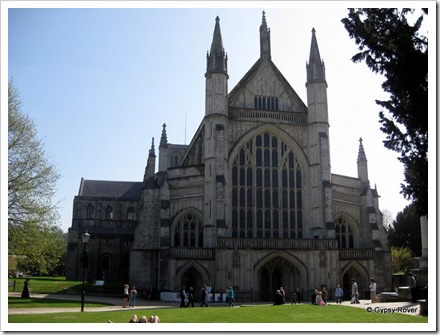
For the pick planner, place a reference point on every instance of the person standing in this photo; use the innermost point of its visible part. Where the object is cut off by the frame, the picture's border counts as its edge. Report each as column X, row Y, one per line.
column 25, row 292
column 297, row 296
column 204, row 296
column 182, row 296
column 372, row 287
column 283, row 293
column 413, row 286
column 125, row 296
column 354, row 292
column 133, row 295
column 191, row 297
column 338, row 294
column 231, row 297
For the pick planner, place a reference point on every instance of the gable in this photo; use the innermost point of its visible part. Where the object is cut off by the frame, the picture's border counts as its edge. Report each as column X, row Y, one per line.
column 264, row 87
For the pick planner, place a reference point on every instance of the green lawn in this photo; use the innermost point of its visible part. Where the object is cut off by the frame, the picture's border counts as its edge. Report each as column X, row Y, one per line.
column 305, row 313
column 60, row 285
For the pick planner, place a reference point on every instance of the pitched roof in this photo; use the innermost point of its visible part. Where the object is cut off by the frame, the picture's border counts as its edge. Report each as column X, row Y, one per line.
column 110, row 189
column 301, row 107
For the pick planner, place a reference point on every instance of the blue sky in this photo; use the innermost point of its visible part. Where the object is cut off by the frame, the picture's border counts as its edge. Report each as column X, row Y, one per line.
column 99, row 83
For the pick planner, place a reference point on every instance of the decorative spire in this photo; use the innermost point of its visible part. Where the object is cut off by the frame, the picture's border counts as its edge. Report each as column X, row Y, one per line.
column 151, row 164
column 264, row 39
column 315, row 67
column 362, row 164
column 217, row 60
column 151, row 152
column 163, row 138
column 361, row 153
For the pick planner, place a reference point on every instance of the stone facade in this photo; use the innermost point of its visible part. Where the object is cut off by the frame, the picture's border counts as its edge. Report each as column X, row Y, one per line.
column 251, row 202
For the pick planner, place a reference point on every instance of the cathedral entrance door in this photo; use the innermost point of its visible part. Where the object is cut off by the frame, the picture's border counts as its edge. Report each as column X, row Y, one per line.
column 192, row 278
column 277, row 272
column 357, row 273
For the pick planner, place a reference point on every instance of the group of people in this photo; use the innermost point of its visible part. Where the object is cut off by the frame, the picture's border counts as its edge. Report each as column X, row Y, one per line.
column 129, row 296
column 280, row 297
column 190, row 296
column 144, row 319
column 319, row 297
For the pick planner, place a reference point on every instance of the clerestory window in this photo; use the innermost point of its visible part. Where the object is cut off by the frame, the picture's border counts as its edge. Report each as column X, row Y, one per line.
column 266, row 103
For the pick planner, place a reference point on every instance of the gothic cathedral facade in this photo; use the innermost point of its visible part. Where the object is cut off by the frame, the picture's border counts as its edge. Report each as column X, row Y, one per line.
column 251, row 202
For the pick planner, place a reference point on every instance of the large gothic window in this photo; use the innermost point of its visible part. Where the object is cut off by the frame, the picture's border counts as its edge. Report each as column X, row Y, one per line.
column 188, row 232
column 344, row 234
column 266, row 190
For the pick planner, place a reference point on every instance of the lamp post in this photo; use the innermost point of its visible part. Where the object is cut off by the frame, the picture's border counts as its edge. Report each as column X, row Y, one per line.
column 85, row 238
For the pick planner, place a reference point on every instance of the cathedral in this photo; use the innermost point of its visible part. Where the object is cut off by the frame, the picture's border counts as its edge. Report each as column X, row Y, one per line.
column 251, row 202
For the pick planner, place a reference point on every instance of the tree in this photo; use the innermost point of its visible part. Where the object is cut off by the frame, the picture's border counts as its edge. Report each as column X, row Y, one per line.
column 32, row 218
column 405, row 231
column 396, row 49
column 401, row 258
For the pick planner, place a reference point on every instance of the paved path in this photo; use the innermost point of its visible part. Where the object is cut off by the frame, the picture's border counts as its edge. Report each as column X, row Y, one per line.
column 141, row 304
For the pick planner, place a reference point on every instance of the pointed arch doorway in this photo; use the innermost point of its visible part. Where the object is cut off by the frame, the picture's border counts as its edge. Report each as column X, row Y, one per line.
column 357, row 272
column 192, row 275
column 192, row 278
column 276, row 272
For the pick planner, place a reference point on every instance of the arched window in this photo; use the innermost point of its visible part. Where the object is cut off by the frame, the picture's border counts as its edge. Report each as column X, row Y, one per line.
column 89, row 211
column 130, row 213
column 109, row 212
column 344, row 234
column 188, row 232
column 266, row 190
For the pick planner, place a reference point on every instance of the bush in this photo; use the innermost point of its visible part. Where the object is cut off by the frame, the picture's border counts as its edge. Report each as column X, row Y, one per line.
column 401, row 258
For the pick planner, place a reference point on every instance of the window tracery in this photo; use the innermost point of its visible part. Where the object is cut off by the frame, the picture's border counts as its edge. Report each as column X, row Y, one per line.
column 266, row 190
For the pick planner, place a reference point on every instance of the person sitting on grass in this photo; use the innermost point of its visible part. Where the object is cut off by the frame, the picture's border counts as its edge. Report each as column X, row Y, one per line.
column 319, row 301
column 154, row 319
column 278, row 298
column 134, row 319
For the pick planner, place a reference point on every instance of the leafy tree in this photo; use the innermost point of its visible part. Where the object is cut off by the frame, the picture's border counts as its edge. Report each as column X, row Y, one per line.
column 32, row 218
column 405, row 231
column 391, row 46
column 401, row 258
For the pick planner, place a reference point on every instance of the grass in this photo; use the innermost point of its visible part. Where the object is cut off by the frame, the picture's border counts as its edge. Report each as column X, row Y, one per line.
column 48, row 303
column 305, row 313
column 59, row 285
